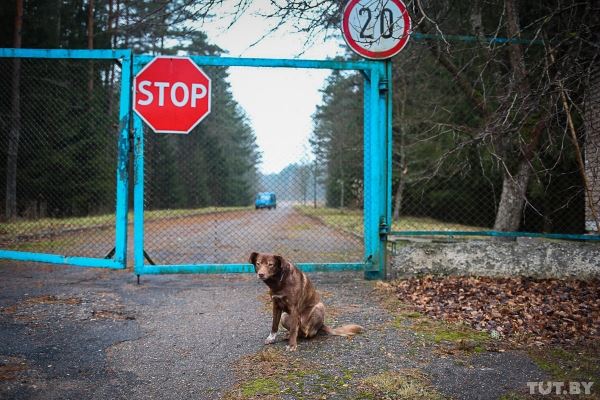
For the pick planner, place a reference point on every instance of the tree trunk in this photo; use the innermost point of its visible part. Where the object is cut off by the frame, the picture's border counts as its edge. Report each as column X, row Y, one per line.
column 15, row 123
column 514, row 186
column 512, row 201
column 398, row 197
column 400, row 83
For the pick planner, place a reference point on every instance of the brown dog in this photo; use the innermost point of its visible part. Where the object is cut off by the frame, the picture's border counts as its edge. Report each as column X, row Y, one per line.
column 295, row 301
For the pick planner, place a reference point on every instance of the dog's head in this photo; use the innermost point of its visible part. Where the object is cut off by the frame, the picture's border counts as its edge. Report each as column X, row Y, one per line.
column 267, row 266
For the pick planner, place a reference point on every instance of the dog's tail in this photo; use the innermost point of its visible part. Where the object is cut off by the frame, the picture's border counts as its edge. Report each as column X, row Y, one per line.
column 346, row 330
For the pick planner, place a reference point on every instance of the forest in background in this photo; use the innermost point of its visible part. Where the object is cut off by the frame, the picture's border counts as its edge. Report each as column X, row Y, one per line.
column 494, row 134
column 486, row 133
column 63, row 140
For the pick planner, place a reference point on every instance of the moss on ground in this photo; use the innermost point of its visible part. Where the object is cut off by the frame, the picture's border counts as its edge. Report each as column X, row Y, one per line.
column 259, row 387
column 465, row 337
column 569, row 364
column 456, row 335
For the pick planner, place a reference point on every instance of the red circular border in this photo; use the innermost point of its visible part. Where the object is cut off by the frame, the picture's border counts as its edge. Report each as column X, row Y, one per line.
column 374, row 55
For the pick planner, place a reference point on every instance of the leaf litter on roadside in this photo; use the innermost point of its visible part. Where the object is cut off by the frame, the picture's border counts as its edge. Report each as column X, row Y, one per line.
column 520, row 309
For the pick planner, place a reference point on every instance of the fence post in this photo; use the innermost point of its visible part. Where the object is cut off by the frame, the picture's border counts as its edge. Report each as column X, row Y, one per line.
column 138, row 186
column 123, row 163
column 376, row 207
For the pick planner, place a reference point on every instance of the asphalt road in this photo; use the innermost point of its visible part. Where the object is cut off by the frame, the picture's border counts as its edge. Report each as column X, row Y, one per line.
column 71, row 333
column 77, row 333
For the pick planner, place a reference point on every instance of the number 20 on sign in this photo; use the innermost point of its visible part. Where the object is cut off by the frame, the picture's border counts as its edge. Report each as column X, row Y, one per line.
column 376, row 29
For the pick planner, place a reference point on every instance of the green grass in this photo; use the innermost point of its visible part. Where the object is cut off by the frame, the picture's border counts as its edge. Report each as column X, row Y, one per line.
column 445, row 332
column 352, row 221
column 267, row 374
column 45, row 226
column 259, row 387
column 569, row 364
column 340, row 218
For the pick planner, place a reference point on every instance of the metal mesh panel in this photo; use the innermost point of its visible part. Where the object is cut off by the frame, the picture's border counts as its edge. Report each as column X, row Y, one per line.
column 207, row 202
column 456, row 147
column 66, row 119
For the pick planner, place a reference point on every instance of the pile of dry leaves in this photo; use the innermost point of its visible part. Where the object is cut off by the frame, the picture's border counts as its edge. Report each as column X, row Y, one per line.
column 532, row 310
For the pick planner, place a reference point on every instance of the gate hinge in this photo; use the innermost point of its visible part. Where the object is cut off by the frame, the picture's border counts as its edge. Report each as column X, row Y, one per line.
column 384, row 228
column 383, row 86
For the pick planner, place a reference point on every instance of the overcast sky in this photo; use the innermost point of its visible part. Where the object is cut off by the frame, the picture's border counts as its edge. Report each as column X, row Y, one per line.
column 279, row 102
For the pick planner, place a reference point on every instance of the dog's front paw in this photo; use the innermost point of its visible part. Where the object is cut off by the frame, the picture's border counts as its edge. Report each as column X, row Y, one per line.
column 291, row 348
column 271, row 338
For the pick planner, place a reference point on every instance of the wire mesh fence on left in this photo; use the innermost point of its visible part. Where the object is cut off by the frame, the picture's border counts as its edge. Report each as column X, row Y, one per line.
column 59, row 172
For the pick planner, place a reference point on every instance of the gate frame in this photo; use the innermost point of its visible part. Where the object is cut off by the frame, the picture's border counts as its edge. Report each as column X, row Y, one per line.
column 377, row 174
column 116, row 259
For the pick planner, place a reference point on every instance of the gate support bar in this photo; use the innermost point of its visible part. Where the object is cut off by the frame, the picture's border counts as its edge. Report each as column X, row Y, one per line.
column 58, row 259
column 239, row 268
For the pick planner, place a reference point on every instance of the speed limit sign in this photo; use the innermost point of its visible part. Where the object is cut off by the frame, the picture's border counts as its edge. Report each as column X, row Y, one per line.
column 376, row 29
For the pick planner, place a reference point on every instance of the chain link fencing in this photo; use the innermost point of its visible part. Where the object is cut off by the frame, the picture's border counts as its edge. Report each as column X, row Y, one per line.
column 208, row 201
column 473, row 153
column 58, row 155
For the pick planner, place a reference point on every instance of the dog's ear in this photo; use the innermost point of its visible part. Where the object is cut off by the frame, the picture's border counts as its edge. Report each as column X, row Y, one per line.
column 279, row 262
column 253, row 257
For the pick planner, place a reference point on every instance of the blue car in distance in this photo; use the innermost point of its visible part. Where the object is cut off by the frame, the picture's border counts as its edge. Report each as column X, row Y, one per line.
column 265, row 200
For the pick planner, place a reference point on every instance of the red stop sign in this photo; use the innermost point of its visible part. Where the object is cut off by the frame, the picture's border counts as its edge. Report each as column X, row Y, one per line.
column 172, row 94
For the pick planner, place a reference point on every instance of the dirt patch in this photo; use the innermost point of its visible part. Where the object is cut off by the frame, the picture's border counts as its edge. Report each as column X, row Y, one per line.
column 114, row 315
column 101, row 306
column 46, row 299
column 11, row 368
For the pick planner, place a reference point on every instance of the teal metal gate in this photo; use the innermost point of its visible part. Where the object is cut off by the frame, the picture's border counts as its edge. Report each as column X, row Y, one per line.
column 377, row 169
column 376, row 165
